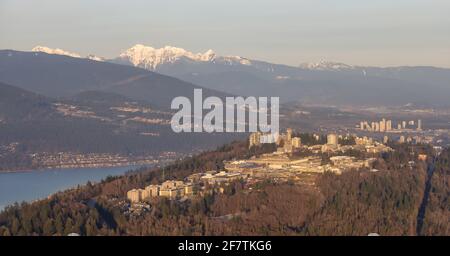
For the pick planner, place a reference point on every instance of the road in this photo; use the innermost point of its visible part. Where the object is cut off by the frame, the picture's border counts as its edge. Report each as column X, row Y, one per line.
column 426, row 194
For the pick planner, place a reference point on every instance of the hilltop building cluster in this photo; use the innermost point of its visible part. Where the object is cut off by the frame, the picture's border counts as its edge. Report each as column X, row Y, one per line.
column 288, row 142
column 175, row 190
column 279, row 167
column 282, row 165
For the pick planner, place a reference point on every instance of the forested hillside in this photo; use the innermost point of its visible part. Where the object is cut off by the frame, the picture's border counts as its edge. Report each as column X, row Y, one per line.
column 92, row 122
column 354, row 203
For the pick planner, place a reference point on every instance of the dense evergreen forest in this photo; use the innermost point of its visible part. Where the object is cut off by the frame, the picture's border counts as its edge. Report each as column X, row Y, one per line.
column 354, row 203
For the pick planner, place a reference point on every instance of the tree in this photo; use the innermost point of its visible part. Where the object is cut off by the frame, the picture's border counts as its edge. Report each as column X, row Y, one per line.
column 59, row 224
column 4, row 231
column 49, row 228
column 69, row 226
column 15, row 226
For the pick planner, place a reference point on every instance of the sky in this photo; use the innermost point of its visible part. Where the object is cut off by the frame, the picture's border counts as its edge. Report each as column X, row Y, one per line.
column 370, row 33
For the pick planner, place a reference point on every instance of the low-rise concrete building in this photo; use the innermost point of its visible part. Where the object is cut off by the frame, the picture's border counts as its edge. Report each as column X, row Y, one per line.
column 135, row 195
column 171, row 189
column 152, row 190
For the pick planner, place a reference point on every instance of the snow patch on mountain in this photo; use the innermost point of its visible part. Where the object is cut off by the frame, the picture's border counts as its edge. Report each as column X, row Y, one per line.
column 94, row 57
column 65, row 53
column 54, row 51
column 235, row 59
column 326, row 66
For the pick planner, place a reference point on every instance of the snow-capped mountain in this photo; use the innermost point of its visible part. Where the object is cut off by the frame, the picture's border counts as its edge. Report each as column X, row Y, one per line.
column 322, row 82
column 151, row 58
column 326, row 65
column 54, row 51
column 63, row 52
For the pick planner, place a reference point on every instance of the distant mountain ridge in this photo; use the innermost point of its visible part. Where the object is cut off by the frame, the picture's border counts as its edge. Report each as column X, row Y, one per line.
column 149, row 57
column 91, row 122
column 329, row 83
column 56, row 75
column 326, row 65
column 20, row 105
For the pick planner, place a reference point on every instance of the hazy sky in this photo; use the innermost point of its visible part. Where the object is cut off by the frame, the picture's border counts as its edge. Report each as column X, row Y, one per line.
column 371, row 32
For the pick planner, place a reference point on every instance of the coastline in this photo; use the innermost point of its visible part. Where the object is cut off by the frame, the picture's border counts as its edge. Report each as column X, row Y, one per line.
column 67, row 167
column 44, row 183
column 94, row 165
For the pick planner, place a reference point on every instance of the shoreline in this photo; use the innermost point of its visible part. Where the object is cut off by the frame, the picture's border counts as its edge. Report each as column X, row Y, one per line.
column 5, row 202
column 63, row 168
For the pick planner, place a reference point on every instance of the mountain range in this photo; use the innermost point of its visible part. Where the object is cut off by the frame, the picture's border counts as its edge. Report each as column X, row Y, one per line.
column 56, row 75
column 328, row 83
column 52, row 100
column 52, row 104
